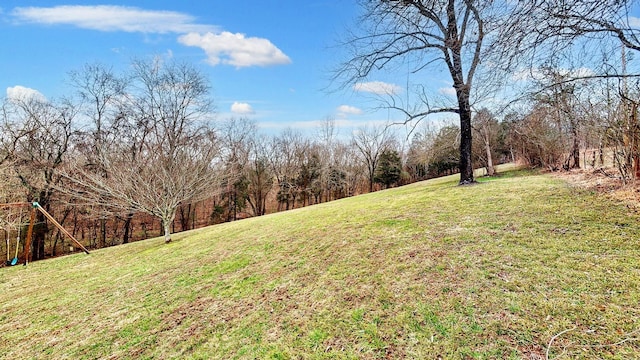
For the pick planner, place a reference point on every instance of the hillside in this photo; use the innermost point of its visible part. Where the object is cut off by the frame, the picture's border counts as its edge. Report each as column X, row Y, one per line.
column 520, row 266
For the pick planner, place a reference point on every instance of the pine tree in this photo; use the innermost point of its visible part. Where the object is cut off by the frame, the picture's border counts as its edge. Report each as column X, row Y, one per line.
column 389, row 168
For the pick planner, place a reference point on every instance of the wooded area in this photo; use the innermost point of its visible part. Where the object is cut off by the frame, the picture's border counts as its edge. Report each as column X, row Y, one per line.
column 132, row 155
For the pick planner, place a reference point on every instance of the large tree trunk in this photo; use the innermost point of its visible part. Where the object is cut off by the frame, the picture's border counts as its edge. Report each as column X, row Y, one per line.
column 167, row 221
column 167, row 231
column 466, row 166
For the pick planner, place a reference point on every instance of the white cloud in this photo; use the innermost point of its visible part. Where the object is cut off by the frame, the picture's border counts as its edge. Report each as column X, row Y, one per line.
column 449, row 91
column 377, row 87
column 634, row 21
column 236, row 49
column 24, row 93
column 344, row 110
column 112, row 18
column 241, row 108
column 221, row 47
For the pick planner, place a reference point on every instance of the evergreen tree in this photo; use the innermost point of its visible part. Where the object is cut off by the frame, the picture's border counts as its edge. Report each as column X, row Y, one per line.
column 389, row 168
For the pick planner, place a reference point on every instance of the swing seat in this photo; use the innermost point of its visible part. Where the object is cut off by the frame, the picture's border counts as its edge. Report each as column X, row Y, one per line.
column 13, row 262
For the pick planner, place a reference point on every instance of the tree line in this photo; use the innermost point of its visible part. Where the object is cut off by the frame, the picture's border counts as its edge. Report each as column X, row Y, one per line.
column 146, row 144
column 130, row 155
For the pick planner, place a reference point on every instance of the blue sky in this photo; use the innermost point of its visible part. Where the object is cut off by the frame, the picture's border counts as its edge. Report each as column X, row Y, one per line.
column 269, row 60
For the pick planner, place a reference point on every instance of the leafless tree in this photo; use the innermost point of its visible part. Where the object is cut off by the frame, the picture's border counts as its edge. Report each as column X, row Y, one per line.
column 326, row 138
column 545, row 26
column 419, row 34
column 169, row 157
column 154, row 183
column 486, row 126
column 621, row 128
column 37, row 136
column 11, row 191
column 470, row 38
column 551, row 29
column 285, row 152
column 421, row 151
column 370, row 142
column 537, row 138
column 103, row 97
column 445, row 161
column 348, row 172
column 259, row 176
column 327, row 132
column 237, row 137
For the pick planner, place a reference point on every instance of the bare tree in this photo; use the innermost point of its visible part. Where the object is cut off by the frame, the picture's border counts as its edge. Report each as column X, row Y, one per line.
column 486, row 126
column 421, row 152
column 103, row 96
column 545, row 26
column 470, row 38
column 329, row 175
column 370, row 142
column 285, row 152
column 550, row 27
column 563, row 98
column 537, row 138
column 621, row 116
column 237, row 137
column 11, row 191
column 169, row 157
column 154, row 183
column 327, row 132
column 445, row 156
column 37, row 137
column 347, row 171
column 418, row 34
column 260, row 177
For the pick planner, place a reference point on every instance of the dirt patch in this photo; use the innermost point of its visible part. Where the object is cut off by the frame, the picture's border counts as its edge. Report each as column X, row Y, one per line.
column 533, row 352
column 194, row 309
column 604, row 181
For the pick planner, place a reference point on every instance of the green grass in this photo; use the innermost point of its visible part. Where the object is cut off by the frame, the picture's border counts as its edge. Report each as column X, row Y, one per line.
column 497, row 270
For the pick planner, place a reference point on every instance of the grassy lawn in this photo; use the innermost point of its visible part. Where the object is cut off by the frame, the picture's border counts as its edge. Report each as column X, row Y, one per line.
column 519, row 266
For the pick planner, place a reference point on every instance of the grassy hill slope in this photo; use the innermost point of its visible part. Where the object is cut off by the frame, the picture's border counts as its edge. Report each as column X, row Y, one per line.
column 521, row 266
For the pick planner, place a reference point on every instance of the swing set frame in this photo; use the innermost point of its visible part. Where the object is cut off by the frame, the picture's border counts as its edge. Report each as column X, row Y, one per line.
column 32, row 218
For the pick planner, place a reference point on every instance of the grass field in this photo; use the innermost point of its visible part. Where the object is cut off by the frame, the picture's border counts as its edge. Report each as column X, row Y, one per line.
column 519, row 266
